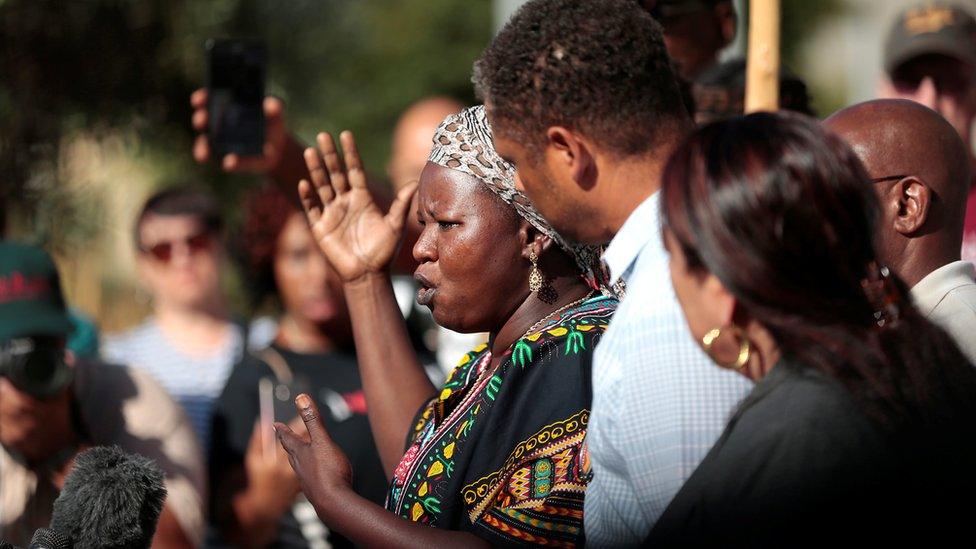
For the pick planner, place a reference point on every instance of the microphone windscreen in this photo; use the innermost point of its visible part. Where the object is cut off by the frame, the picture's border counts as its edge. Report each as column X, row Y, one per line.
column 45, row 538
column 110, row 499
column 4, row 544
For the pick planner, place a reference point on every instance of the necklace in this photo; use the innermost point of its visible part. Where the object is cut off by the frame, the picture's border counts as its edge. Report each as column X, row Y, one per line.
column 553, row 314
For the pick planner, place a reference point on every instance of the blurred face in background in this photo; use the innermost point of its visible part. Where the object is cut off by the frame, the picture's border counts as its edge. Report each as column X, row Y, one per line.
column 310, row 290
column 35, row 427
column 694, row 31
column 941, row 83
column 179, row 261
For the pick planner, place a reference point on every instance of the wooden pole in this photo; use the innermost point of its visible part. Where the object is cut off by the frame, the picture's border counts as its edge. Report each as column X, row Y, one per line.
column 762, row 61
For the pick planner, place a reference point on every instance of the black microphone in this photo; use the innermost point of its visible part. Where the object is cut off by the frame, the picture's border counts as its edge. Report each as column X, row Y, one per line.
column 45, row 538
column 110, row 499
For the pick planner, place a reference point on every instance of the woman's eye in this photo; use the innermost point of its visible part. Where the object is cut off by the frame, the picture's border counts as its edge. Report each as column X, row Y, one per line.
column 447, row 224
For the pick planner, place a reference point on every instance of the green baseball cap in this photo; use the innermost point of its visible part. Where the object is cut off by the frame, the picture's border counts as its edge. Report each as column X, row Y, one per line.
column 932, row 28
column 31, row 302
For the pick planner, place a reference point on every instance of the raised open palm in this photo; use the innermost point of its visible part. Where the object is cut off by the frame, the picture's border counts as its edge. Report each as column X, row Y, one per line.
column 355, row 235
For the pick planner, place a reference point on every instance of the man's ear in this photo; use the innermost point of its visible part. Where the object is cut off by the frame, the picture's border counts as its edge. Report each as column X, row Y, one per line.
column 913, row 199
column 569, row 151
column 725, row 13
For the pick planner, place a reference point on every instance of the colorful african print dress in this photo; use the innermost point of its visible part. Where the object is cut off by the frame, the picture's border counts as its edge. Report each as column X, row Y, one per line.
column 499, row 452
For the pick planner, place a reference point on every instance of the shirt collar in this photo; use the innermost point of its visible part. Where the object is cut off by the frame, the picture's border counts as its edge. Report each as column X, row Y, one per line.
column 641, row 227
column 928, row 293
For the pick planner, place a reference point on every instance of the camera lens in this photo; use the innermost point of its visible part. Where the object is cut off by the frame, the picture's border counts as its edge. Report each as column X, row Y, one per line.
column 35, row 367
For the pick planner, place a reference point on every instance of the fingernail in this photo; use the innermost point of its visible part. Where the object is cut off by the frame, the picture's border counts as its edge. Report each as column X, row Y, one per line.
column 303, row 401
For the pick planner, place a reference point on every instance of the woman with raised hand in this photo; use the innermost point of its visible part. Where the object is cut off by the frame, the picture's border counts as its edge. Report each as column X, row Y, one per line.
column 861, row 426
column 495, row 456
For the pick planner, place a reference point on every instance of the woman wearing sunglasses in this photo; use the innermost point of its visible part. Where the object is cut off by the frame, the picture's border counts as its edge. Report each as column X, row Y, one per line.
column 189, row 343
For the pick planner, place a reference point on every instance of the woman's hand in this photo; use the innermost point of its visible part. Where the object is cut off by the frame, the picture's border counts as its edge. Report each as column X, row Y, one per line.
column 355, row 236
column 322, row 468
column 326, row 479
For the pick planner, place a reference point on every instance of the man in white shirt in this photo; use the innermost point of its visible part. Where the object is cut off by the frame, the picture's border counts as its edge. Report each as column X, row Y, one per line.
column 583, row 100
column 921, row 172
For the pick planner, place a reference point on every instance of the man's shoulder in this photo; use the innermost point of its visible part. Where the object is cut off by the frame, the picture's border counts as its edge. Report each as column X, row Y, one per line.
column 649, row 306
column 116, row 399
column 959, row 299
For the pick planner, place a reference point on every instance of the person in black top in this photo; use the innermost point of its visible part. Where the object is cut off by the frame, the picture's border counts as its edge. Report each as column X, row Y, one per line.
column 861, row 426
column 255, row 496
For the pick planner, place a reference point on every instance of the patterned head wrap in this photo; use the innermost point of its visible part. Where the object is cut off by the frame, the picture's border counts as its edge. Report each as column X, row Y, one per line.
column 464, row 142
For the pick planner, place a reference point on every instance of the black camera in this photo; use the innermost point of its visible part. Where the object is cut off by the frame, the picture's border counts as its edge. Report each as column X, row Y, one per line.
column 35, row 366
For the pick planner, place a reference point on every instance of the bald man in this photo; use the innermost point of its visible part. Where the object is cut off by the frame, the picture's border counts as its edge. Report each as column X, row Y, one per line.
column 412, row 137
column 411, row 146
column 921, row 172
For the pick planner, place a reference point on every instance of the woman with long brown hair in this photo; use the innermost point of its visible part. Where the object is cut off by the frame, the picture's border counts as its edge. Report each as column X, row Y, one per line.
column 862, row 420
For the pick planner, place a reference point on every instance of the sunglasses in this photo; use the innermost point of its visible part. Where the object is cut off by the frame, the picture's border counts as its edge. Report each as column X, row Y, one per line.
column 163, row 251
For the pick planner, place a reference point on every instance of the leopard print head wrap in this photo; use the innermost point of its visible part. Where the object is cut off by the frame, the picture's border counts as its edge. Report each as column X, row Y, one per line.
column 464, row 142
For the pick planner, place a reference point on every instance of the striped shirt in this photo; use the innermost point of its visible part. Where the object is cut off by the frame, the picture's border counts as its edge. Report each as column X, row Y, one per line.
column 194, row 382
column 659, row 403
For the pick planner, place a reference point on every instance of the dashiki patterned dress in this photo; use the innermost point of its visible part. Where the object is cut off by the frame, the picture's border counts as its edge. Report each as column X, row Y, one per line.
column 499, row 452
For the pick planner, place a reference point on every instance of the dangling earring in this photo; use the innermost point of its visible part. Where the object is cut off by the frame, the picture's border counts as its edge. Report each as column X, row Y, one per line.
column 745, row 348
column 535, row 275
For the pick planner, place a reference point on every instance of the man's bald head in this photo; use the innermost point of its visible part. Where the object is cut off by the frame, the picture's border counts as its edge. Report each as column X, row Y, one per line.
column 412, row 137
column 921, row 171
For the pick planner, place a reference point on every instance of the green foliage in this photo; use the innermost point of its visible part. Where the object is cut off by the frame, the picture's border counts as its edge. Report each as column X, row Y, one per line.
column 801, row 18
column 108, row 66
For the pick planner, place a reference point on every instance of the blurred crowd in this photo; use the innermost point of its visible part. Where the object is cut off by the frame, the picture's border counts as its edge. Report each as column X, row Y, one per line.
column 604, row 307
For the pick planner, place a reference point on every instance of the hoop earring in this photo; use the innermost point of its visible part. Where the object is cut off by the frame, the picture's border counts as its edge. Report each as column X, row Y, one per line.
column 745, row 348
column 535, row 275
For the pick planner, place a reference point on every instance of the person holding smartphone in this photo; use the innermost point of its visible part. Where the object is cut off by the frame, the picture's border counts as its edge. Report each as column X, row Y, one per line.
column 255, row 497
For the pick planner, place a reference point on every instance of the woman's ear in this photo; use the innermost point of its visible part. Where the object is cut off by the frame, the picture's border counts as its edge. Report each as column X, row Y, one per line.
column 724, row 304
column 533, row 240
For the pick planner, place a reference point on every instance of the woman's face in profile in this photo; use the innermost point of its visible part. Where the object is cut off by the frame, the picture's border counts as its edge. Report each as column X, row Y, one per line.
column 472, row 272
column 704, row 301
column 688, row 289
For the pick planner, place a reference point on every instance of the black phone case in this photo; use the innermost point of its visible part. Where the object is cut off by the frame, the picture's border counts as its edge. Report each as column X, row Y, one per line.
column 235, row 82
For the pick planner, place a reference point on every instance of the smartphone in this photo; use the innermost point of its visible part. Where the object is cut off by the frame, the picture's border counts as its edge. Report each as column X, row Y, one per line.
column 235, row 80
column 266, row 409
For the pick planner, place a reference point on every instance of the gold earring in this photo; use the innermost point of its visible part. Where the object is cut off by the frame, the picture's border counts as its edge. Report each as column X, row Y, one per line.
column 745, row 348
column 535, row 275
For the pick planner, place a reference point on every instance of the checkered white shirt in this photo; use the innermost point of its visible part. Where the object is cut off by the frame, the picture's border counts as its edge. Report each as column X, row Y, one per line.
column 659, row 403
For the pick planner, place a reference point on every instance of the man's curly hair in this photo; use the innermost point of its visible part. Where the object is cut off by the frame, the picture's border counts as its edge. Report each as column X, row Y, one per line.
column 596, row 66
